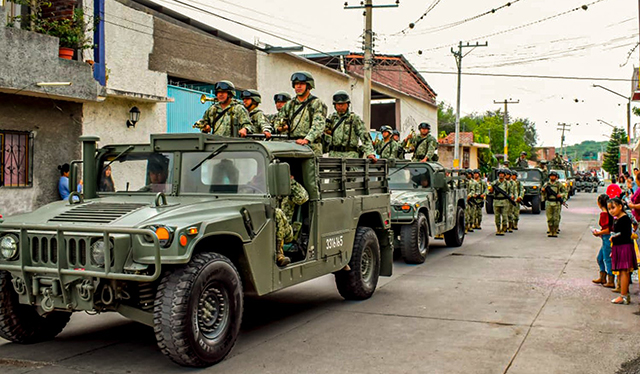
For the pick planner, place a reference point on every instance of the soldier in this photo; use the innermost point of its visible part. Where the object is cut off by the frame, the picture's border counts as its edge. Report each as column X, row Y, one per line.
column 251, row 100
column 425, row 146
column 396, row 138
column 387, row 148
column 518, row 195
column 558, row 160
column 471, row 192
column 511, row 191
column 279, row 99
column 347, row 136
column 522, row 161
column 284, row 216
column 554, row 194
column 545, row 173
column 505, row 164
column 303, row 118
column 499, row 189
column 227, row 117
column 481, row 194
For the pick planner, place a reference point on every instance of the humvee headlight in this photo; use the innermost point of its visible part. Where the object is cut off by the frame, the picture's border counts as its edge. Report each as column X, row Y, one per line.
column 535, row 187
column 98, row 250
column 406, row 208
column 9, row 247
column 164, row 234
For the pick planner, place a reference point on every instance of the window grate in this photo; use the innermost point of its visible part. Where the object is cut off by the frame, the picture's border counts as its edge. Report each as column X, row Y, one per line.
column 16, row 155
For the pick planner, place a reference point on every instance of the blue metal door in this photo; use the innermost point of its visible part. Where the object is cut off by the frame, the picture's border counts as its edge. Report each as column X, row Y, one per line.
column 185, row 110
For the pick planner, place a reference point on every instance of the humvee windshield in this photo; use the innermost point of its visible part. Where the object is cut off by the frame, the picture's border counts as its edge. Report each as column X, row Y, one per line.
column 530, row 175
column 561, row 174
column 409, row 177
column 228, row 172
column 136, row 172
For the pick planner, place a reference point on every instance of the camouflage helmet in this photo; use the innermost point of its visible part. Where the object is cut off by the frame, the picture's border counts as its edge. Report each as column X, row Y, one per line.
column 252, row 94
column 303, row 76
column 395, row 132
column 424, row 125
column 468, row 171
column 341, row 97
column 225, row 86
column 543, row 162
column 385, row 128
column 281, row 97
column 476, row 171
column 501, row 171
column 553, row 172
column 523, row 153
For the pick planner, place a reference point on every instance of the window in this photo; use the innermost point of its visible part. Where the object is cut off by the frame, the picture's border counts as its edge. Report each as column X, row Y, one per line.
column 16, row 156
column 229, row 172
column 465, row 158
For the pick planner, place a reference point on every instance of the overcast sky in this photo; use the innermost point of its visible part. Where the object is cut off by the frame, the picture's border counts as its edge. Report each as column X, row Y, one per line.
column 583, row 43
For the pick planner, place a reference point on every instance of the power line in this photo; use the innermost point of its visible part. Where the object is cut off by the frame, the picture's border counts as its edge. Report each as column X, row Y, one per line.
column 412, row 25
column 527, row 76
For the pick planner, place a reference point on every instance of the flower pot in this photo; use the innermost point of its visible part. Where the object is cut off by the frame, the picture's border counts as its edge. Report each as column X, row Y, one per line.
column 66, row 53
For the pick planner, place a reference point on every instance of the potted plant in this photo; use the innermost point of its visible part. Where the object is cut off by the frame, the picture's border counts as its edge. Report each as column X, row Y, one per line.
column 72, row 32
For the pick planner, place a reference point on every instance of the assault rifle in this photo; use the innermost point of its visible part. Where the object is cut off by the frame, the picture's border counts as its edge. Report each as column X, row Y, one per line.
column 550, row 192
column 505, row 194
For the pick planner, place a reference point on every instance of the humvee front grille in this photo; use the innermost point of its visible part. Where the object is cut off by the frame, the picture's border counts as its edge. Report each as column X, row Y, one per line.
column 96, row 213
column 44, row 250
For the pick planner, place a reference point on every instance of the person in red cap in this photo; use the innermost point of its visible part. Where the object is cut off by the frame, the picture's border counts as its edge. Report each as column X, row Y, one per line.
column 613, row 190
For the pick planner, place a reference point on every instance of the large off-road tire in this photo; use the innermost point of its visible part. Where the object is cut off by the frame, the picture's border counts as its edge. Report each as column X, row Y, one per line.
column 455, row 236
column 21, row 323
column 198, row 310
column 414, row 240
column 535, row 204
column 360, row 282
column 489, row 204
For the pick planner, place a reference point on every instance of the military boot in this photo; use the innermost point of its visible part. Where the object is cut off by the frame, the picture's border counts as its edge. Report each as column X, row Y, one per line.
column 549, row 231
column 510, row 227
column 554, row 232
column 515, row 225
column 281, row 259
column 499, row 231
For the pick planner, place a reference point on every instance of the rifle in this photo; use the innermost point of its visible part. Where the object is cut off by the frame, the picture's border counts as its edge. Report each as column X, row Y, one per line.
column 505, row 194
column 550, row 192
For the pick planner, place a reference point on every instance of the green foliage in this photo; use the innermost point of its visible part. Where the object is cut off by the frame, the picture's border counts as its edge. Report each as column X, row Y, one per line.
column 612, row 156
column 587, row 150
column 636, row 111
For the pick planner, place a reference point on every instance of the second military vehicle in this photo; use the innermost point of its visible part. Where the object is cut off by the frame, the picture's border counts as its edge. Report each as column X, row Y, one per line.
column 174, row 233
column 426, row 201
column 531, row 178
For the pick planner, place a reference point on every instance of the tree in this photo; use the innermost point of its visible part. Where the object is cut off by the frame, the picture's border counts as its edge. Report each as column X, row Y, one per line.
column 612, row 156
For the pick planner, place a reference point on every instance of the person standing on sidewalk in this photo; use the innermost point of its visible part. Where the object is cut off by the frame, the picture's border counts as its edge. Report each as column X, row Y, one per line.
column 604, row 255
column 623, row 254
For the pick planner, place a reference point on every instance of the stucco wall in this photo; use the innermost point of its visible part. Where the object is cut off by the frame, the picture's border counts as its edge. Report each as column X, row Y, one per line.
column 56, row 126
column 413, row 112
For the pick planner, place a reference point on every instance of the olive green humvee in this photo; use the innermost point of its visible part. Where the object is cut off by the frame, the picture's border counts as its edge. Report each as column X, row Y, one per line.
column 426, row 201
column 174, row 233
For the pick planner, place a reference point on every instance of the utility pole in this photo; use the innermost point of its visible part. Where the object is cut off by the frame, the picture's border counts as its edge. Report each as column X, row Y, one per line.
column 506, row 125
column 459, row 56
column 563, row 127
column 368, row 53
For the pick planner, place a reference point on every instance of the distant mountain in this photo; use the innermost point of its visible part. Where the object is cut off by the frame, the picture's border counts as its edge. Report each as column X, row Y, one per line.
column 587, row 150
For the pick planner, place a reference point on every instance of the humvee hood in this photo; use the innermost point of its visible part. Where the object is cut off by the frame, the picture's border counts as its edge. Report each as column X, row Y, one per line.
column 410, row 197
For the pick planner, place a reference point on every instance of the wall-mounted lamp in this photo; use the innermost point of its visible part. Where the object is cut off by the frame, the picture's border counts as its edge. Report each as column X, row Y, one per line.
column 134, row 117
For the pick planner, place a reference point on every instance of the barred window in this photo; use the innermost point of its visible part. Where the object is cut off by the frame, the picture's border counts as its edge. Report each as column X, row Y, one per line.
column 16, row 157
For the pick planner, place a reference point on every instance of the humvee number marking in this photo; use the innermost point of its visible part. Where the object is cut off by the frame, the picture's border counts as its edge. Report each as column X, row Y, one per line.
column 334, row 242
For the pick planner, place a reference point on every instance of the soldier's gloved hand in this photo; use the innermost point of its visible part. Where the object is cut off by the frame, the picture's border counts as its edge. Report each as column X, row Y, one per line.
column 206, row 129
column 267, row 135
column 302, row 141
column 242, row 132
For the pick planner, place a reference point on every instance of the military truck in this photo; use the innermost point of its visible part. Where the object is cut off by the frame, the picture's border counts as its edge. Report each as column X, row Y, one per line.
column 425, row 202
column 187, row 232
column 531, row 178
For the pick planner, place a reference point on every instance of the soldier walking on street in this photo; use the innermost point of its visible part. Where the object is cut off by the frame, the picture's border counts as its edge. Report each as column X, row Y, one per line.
column 499, row 188
column 471, row 194
column 284, row 217
column 554, row 195
column 261, row 125
column 481, row 194
column 227, row 117
column 425, row 145
column 518, row 195
column 511, row 191
column 279, row 99
column 345, row 132
column 387, row 148
column 303, row 118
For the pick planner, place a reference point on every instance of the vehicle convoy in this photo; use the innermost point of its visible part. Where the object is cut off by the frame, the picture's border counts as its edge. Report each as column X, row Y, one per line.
column 531, row 178
column 188, row 231
column 425, row 202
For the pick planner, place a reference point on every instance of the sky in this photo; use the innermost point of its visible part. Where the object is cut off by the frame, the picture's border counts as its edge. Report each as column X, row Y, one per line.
column 592, row 43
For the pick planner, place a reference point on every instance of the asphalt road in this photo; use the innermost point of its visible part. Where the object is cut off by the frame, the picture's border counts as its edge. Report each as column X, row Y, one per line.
column 523, row 303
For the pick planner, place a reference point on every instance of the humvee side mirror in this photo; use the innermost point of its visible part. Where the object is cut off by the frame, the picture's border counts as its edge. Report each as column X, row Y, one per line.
column 439, row 181
column 279, row 179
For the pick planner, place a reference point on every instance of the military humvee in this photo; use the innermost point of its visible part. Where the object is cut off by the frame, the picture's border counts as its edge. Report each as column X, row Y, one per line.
column 425, row 202
column 174, row 233
column 531, row 178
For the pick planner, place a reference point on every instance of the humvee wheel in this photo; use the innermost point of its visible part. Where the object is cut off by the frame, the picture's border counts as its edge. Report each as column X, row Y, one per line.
column 360, row 282
column 414, row 241
column 489, row 204
column 21, row 323
column 455, row 236
column 198, row 310
column 535, row 204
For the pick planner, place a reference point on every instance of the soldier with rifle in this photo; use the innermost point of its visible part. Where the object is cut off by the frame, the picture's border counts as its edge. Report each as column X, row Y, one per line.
column 387, row 147
column 554, row 194
column 478, row 200
column 279, row 99
column 345, row 133
column 518, row 194
column 471, row 193
column 501, row 201
column 425, row 146
column 401, row 150
column 251, row 99
column 227, row 116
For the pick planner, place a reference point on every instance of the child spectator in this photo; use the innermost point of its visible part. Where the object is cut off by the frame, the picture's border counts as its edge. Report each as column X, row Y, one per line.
column 623, row 254
column 604, row 255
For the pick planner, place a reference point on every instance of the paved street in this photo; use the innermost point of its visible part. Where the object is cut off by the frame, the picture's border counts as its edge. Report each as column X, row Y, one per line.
column 523, row 303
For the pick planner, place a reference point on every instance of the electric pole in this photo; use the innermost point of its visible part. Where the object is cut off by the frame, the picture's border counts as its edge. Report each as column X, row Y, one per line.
column 368, row 53
column 506, row 102
column 563, row 127
column 459, row 56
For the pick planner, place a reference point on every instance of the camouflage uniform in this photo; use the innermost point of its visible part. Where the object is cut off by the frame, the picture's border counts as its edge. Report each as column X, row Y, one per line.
column 518, row 194
column 477, row 213
column 284, row 217
column 234, row 119
column 309, row 124
column 344, row 140
column 522, row 163
column 553, row 205
column 425, row 147
column 472, row 187
column 500, row 204
column 510, row 207
column 388, row 150
column 259, row 121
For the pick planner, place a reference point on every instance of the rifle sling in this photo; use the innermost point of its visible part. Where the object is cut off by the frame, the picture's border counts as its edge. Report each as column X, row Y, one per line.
column 295, row 114
column 215, row 120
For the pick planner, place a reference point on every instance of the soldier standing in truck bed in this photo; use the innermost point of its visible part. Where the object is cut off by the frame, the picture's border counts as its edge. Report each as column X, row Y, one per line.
column 346, row 133
column 425, row 146
column 522, row 160
column 387, row 148
column 279, row 99
column 259, row 121
column 226, row 117
column 303, row 118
